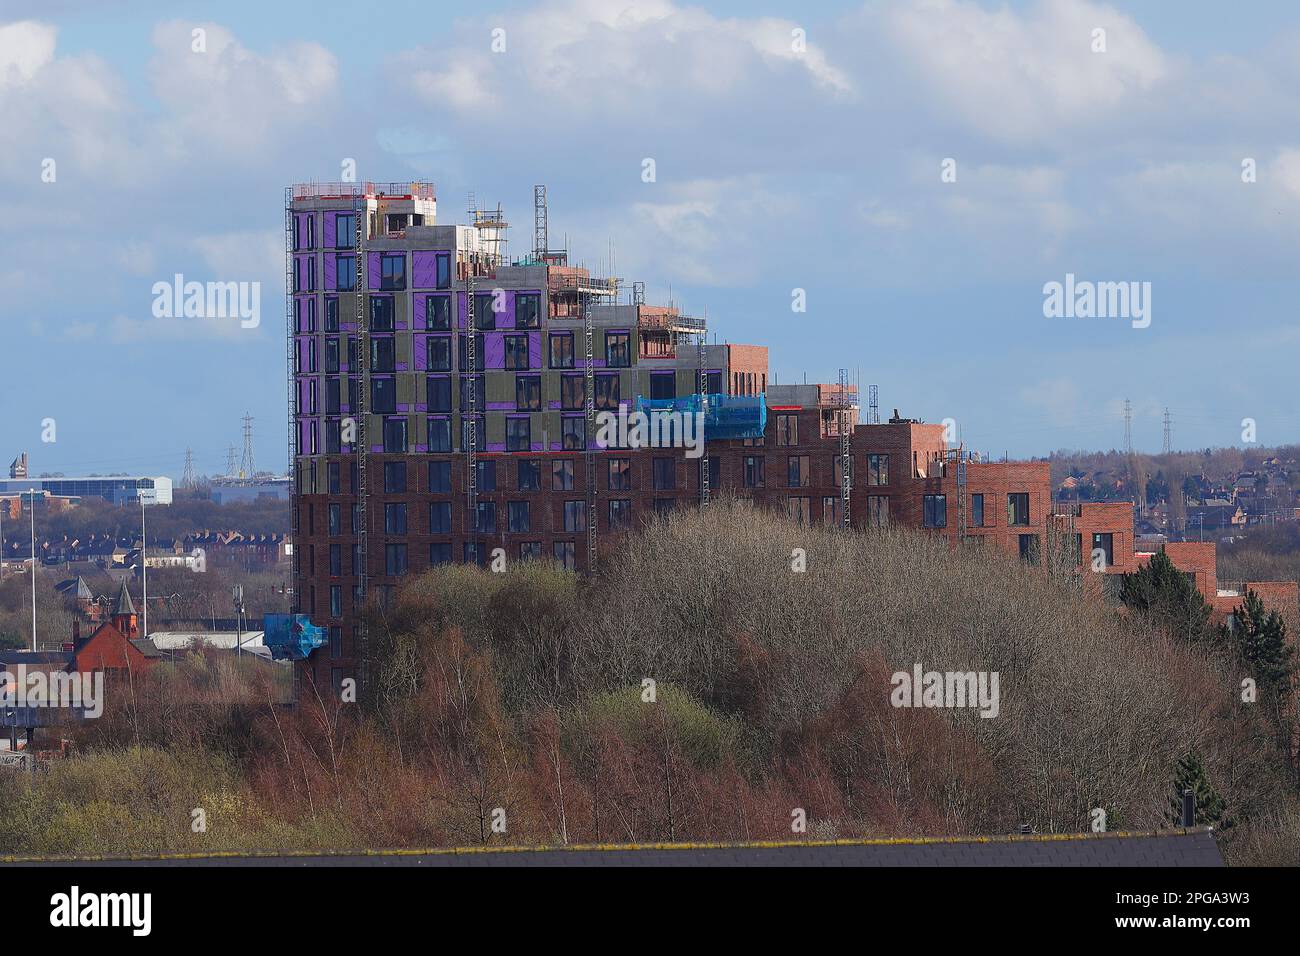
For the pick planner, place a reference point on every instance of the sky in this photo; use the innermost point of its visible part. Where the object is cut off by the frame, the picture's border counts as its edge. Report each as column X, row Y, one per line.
column 921, row 170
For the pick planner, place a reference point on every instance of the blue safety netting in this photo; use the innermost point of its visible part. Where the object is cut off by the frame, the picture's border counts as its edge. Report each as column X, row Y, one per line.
column 291, row 636
column 725, row 416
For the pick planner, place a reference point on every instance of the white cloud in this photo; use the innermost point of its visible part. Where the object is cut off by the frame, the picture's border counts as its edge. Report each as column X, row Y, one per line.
column 25, row 47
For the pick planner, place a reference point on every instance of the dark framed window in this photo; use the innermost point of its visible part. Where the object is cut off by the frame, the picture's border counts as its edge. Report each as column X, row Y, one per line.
column 575, row 516
column 394, row 477
column 528, row 310
column 336, row 560
column 440, row 553
column 620, row 514
column 787, row 430
column 573, row 392
column 439, row 434
column 562, row 474
column 485, row 517
column 395, row 435
column 331, row 355
column 383, row 354
column 381, row 313
column 331, row 313
column 345, row 231
column 664, row 474
column 333, row 390
column 528, row 393
column 565, row 554
column 1105, row 540
column 395, row 518
column 485, row 316
column 754, row 477
column 517, row 517
column 518, row 434
column 877, row 469
column 530, row 550
column 573, row 433
column 438, row 393
column 1030, row 548
column 395, row 559
column 438, row 351
column 345, row 273
column 561, row 349
column 487, row 475
column 620, row 474
column 479, row 358
column 383, row 395
column 1018, row 508
column 335, row 519
column 437, row 313
column 516, row 353
column 977, row 511
column 618, row 350
column 607, row 391
column 439, row 517
column 935, row 511
column 439, row 477
column 332, row 478
column 798, row 473
column 392, row 271
column 528, row 476
column 663, row 385
column 480, row 399
column 443, row 280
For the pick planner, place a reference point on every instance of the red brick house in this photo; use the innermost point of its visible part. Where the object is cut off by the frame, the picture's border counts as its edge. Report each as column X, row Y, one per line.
column 115, row 646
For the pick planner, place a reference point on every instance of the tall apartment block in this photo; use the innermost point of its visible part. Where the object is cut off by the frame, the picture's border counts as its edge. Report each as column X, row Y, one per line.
column 441, row 404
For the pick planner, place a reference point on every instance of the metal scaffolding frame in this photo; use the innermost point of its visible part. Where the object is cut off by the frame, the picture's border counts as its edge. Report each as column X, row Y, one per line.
column 361, row 211
column 846, row 455
column 590, row 443
column 290, row 348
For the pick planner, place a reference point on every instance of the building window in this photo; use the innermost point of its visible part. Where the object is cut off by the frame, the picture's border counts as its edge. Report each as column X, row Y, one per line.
column 439, row 553
column 345, row 273
column 439, row 477
column 332, row 355
column 336, row 561
column 530, row 550
column 331, row 313
column 438, row 349
column 517, row 515
column 392, row 271
column 473, row 553
column 480, row 430
column 1018, row 508
column 383, row 354
column 383, row 395
column 528, row 393
column 528, row 310
column 787, row 430
column 663, row 385
column 620, row 474
column 485, row 517
column 754, row 471
column 345, row 231
column 562, row 475
column 437, row 313
column 529, row 476
column 437, row 393
column 336, row 600
column 444, row 271
column 572, row 392
column 799, row 474
column 485, row 315
column 394, row 477
column 575, row 516
column 564, row 553
column 440, row 517
column 487, row 475
column 877, row 469
column 1105, row 540
column 1030, row 548
column 439, row 434
column 561, row 350
column 573, row 433
column 395, row 436
column 799, row 508
column 977, row 511
column 936, row 511
column 395, row 559
column 333, row 478
column 516, row 353
column 518, row 434
column 663, row 507
column 607, row 392
column 620, row 514
column 618, row 350
column 831, row 505
column 395, row 518
column 381, row 313
column 335, row 519
column 664, row 474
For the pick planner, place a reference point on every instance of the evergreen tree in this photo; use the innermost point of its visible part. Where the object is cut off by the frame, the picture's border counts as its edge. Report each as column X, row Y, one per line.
column 1170, row 597
column 1210, row 808
column 1261, row 641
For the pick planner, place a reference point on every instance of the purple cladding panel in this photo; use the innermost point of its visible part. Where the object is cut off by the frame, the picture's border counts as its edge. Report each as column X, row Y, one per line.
column 421, row 350
column 329, row 264
column 503, row 407
column 534, row 349
column 331, row 220
column 494, row 348
column 424, row 270
column 372, row 270
column 496, row 446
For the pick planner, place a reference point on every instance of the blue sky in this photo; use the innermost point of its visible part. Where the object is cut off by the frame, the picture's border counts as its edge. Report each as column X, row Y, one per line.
column 776, row 169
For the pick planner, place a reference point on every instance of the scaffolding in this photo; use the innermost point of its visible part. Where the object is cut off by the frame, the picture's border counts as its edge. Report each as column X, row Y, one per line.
column 470, row 391
column 590, row 443
column 702, row 390
column 290, row 347
column 360, row 414
column 846, row 456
